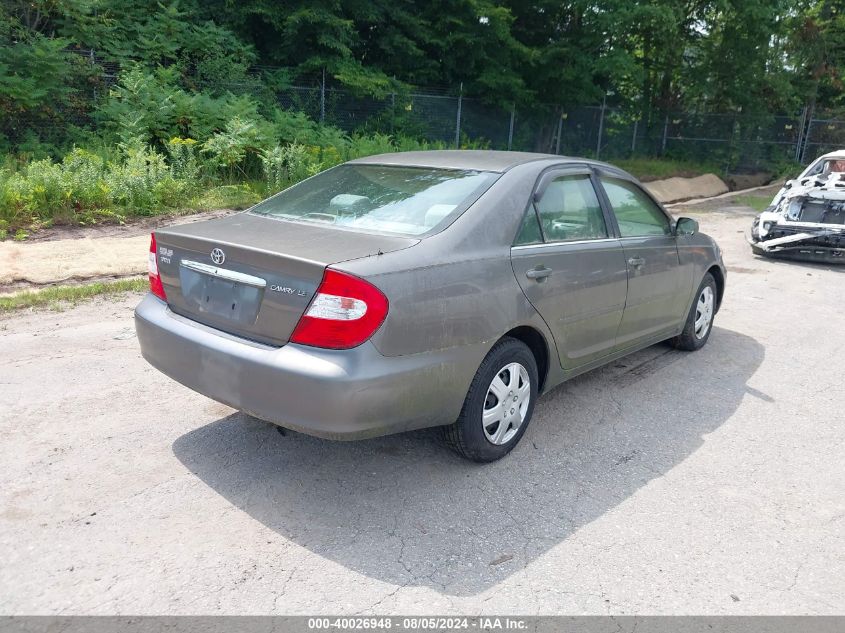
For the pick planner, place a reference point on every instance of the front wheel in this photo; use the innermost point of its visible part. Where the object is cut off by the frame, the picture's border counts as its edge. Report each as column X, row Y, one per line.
column 700, row 318
column 499, row 404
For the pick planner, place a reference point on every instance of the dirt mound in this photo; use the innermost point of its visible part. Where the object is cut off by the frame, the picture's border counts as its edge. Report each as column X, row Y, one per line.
column 675, row 189
column 748, row 181
column 63, row 260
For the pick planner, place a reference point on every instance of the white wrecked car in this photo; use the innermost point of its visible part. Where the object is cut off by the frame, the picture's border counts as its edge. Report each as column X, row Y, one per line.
column 806, row 219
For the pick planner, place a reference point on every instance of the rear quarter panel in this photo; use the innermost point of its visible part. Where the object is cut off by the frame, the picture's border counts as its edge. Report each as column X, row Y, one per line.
column 457, row 287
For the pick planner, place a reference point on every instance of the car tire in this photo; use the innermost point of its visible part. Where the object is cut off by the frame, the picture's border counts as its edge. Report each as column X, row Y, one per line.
column 695, row 335
column 494, row 416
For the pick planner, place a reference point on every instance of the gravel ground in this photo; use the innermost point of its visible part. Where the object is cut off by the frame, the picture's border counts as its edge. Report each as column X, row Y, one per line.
column 670, row 482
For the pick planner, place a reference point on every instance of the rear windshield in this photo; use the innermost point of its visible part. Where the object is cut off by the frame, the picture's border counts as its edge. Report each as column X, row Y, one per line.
column 379, row 198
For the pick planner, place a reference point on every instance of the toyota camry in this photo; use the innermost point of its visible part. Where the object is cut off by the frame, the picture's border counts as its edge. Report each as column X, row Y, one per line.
column 420, row 289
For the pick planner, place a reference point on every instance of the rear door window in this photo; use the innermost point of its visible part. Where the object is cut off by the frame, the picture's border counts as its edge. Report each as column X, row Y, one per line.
column 569, row 210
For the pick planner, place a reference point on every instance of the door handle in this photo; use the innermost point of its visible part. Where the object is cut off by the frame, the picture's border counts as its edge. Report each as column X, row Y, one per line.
column 539, row 273
column 636, row 261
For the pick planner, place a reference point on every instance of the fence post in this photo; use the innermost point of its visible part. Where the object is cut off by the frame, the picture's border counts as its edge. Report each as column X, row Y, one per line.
column 323, row 97
column 510, row 129
column 808, row 136
column 601, row 126
column 801, row 124
column 634, row 137
column 92, row 59
column 559, row 133
column 392, row 112
column 665, row 134
column 458, row 118
column 734, row 128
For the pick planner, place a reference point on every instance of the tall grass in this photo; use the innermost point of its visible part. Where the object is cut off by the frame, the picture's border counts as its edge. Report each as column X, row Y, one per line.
column 234, row 168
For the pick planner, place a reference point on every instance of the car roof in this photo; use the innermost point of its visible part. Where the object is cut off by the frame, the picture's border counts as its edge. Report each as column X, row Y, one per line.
column 481, row 160
column 840, row 153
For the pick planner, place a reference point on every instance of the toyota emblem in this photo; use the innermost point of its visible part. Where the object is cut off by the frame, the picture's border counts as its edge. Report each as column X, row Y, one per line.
column 218, row 256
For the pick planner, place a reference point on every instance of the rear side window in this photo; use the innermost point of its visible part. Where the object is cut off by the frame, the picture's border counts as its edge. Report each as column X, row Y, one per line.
column 569, row 210
column 636, row 213
column 380, row 198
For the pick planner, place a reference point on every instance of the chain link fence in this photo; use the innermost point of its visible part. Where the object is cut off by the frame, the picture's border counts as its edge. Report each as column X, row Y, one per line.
column 733, row 143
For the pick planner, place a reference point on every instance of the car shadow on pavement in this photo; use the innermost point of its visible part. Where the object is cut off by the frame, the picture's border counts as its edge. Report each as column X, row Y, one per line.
column 405, row 510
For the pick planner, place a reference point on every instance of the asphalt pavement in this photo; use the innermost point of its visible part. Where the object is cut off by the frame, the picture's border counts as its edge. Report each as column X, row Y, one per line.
column 667, row 483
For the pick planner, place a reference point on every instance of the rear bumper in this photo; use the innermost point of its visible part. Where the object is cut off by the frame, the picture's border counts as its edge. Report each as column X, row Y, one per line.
column 346, row 394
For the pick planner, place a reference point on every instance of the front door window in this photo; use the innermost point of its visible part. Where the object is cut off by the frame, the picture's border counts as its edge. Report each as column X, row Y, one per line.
column 636, row 213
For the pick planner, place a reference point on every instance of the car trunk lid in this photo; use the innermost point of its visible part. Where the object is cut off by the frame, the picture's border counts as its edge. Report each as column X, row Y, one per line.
column 254, row 276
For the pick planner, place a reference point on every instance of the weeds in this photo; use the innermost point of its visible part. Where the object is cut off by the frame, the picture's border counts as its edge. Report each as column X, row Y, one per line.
column 163, row 150
column 756, row 202
column 234, row 168
column 58, row 297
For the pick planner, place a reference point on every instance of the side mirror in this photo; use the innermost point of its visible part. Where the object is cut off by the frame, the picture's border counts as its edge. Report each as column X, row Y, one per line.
column 686, row 226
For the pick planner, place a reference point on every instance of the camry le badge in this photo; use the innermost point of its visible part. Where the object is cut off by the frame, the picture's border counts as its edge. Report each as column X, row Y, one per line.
column 218, row 256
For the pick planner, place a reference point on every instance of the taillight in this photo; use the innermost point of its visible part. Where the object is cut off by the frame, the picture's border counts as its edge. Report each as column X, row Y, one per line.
column 344, row 313
column 156, row 286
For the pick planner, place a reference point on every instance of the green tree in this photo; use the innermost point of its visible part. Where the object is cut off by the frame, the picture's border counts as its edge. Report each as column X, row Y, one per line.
column 742, row 66
column 816, row 44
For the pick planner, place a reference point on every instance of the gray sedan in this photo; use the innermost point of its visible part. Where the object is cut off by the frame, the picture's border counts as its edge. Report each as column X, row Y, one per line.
column 421, row 289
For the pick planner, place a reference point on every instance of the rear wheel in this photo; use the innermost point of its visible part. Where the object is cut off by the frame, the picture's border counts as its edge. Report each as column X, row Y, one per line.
column 700, row 318
column 499, row 404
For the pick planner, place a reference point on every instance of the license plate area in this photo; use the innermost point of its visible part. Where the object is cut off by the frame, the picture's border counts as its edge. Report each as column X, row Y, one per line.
column 220, row 293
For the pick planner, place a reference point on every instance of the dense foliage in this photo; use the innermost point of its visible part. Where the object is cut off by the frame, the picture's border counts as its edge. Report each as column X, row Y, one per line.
column 170, row 98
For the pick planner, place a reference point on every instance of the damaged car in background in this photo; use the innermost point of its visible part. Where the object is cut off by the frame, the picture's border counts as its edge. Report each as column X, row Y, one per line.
column 806, row 219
